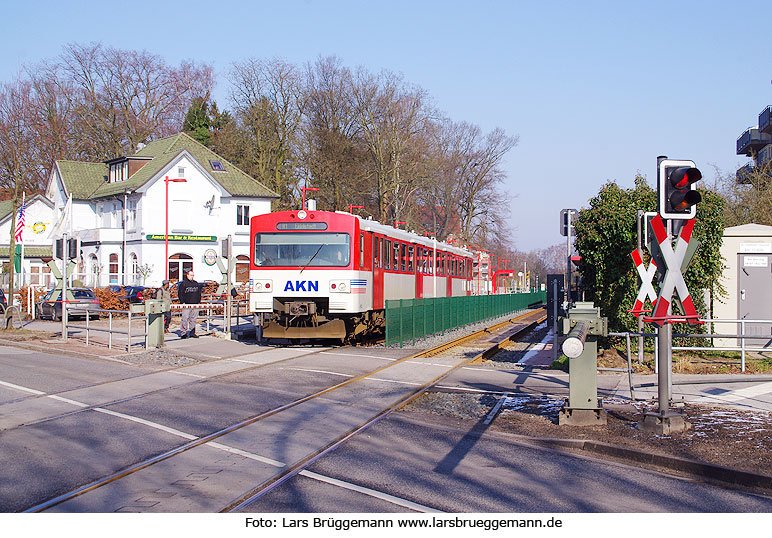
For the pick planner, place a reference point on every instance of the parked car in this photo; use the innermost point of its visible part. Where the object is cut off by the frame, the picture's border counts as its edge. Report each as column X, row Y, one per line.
column 136, row 294
column 85, row 301
column 3, row 302
column 114, row 288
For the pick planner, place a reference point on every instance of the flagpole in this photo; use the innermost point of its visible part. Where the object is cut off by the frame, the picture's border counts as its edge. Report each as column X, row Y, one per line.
column 21, row 263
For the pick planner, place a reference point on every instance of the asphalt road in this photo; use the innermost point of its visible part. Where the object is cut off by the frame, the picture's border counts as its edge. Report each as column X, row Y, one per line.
column 108, row 415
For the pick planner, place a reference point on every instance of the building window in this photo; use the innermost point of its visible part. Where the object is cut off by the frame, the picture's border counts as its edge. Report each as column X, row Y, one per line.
column 131, row 214
column 217, row 166
column 134, row 268
column 179, row 264
column 180, row 171
column 113, row 268
column 242, row 215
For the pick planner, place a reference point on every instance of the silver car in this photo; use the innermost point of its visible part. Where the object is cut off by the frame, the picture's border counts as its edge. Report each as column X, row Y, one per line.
column 85, row 302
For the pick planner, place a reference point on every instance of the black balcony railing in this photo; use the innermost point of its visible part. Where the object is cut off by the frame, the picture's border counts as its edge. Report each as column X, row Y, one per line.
column 751, row 141
column 743, row 175
column 765, row 120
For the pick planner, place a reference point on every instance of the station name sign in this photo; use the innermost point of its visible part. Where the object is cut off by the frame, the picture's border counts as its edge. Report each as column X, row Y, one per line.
column 180, row 237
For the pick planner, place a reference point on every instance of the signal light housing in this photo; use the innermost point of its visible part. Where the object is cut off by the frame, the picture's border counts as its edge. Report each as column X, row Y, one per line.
column 677, row 195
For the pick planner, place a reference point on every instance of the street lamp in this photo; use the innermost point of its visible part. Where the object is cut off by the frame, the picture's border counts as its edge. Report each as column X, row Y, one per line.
column 166, row 231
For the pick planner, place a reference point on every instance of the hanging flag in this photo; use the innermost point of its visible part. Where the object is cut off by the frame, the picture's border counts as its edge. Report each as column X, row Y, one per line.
column 20, row 220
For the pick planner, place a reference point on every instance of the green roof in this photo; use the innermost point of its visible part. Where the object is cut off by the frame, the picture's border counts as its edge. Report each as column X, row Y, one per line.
column 6, row 206
column 81, row 178
column 30, row 252
column 89, row 180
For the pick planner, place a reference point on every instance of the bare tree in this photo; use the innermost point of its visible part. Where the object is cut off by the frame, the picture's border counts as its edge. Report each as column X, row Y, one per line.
column 332, row 156
column 19, row 167
column 122, row 97
column 749, row 201
column 391, row 115
column 268, row 100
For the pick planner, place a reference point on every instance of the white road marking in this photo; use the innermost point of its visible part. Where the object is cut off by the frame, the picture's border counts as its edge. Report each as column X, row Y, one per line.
column 66, row 400
column 319, row 371
column 188, row 374
column 535, row 348
column 371, row 492
column 232, row 450
column 23, row 389
column 429, row 364
column 739, row 394
column 147, row 423
column 357, row 355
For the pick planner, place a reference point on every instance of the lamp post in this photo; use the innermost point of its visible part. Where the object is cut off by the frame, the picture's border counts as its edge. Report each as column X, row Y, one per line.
column 166, row 231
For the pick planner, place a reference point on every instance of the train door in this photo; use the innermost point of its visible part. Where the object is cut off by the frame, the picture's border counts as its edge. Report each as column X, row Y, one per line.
column 378, row 258
column 419, row 272
column 449, row 274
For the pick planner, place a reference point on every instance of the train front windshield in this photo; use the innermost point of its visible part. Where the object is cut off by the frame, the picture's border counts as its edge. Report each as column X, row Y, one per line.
column 308, row 249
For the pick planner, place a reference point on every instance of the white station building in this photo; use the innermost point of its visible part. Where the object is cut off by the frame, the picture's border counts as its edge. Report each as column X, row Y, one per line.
column 118, row 211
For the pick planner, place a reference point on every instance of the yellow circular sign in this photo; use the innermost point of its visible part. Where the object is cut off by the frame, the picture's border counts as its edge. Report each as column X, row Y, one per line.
column 39, row 227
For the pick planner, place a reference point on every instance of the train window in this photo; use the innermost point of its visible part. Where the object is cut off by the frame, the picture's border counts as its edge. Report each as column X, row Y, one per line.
column 455, row 266
column 403, row 257
column 377, row 252
column 387, row 254
column 361, row 250
column 430, row 262
column 440, row 263
column 410, row 253
column 287, row 249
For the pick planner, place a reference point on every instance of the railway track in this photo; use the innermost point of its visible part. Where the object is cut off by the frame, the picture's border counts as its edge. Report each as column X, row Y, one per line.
column 234, row 439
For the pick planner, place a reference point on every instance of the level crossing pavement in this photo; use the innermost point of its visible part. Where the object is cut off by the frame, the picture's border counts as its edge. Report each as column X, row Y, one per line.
column 531, row 376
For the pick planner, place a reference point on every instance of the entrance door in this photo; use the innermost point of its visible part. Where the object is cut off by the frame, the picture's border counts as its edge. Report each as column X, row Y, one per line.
column 754, row 281
column 378, row 259
column 179, row 264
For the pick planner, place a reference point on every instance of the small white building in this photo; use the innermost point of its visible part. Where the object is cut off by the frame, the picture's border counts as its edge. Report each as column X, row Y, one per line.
column 35, row 247
column 747, row 280
column 120, row 208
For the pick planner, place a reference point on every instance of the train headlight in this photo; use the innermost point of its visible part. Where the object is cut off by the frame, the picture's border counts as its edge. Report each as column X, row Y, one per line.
column 339, row 286
column 261, row 286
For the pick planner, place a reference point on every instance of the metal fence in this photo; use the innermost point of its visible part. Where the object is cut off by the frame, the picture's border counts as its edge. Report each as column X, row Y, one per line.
column 411, row 319
column 741, row 336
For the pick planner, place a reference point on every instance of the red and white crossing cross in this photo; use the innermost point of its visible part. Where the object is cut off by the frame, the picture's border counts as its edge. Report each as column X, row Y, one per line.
column 647, row 288
column 674, row 279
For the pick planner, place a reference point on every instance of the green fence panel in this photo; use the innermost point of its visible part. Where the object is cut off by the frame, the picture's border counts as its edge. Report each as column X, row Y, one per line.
column 412, row 319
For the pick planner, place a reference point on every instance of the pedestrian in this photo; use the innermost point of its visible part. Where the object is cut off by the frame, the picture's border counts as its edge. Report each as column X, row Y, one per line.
column 189, row 293
column 165, row 294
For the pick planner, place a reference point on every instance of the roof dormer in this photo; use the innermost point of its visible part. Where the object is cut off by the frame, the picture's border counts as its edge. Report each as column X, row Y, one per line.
column 122, row 168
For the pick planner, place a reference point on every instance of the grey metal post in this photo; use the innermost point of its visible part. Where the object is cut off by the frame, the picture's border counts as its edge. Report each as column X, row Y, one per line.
column 554, row 320
column 664, row 334
column 567, row 284
column 63, row 298
column 640, row 339
column 229, row 304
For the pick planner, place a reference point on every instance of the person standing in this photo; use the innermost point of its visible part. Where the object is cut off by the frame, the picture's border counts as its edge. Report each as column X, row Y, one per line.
column 189, row 292
column 165, row 294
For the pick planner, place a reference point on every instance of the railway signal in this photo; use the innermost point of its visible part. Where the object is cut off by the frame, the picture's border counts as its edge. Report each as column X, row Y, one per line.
column 677, row 194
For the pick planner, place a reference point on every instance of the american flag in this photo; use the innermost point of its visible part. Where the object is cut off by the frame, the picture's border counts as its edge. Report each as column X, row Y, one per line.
column 20, row 221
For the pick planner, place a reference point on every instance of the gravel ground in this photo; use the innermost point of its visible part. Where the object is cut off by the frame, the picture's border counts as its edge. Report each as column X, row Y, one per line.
column 159, row 359
column 721, row 436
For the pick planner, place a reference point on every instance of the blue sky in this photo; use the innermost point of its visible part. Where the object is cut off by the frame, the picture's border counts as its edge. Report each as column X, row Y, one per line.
column 594, row 90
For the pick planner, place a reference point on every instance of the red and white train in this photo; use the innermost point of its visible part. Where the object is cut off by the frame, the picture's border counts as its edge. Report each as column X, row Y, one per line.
column 319, row 274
